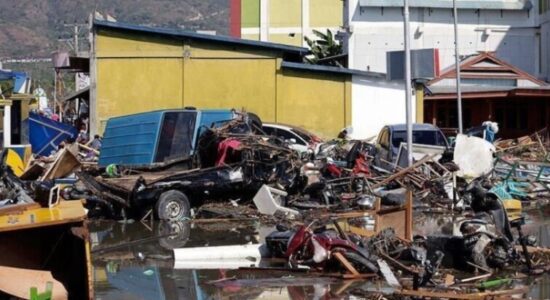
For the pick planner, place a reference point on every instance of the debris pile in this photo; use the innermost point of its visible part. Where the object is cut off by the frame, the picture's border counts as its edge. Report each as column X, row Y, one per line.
column 341, row 209
column 535, row 147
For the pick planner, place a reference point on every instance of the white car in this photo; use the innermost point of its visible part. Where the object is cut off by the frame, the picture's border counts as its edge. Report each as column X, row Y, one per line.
column 299, row 139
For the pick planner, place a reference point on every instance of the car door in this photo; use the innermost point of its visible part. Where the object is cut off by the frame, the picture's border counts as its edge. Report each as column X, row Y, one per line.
column 383, row 152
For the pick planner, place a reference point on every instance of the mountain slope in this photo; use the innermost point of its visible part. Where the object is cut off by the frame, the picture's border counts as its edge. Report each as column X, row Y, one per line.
column 31, row 28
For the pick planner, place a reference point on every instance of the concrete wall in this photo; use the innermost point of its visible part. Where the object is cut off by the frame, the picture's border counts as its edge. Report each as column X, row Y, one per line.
column 376, row 102
column 134, row 73
column 376, row 30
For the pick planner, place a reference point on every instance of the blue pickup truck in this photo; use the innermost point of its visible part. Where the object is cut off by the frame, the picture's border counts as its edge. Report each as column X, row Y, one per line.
column 158, row 137
column 183, row 157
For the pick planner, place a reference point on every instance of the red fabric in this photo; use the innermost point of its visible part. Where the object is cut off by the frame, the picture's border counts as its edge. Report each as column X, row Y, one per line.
column 361, row 166
column 223, row 147
column 334, row 170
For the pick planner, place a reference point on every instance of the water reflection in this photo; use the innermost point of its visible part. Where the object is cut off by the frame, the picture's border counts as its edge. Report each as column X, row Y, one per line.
column 135, row 261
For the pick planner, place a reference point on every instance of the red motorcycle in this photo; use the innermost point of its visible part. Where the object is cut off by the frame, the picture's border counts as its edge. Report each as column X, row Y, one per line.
column 315, row 248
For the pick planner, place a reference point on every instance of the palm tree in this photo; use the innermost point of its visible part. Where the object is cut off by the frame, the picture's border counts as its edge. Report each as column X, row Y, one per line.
column 323, row 49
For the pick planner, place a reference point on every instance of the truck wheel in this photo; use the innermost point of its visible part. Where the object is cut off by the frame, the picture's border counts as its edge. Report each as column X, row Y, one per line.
column 176, row 234
column 172, row 205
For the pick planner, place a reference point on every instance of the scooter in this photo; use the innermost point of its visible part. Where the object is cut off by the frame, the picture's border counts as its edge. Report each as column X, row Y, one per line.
column 305, row 246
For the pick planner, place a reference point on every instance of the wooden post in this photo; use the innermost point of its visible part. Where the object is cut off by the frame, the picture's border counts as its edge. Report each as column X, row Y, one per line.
column 409, row 215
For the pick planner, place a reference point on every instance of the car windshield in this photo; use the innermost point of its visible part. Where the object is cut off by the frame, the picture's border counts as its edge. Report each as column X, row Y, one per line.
column 424, row 137
column 305, row 136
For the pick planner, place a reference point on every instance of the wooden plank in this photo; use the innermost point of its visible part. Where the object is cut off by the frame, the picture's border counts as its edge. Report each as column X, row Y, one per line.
column 63, row 165
column 17, row 282
column 409, row 216
column 398, row 265
column 346, row 263
column 65, row 212
column 404, row 171
column 17, row 208
column 33, row 172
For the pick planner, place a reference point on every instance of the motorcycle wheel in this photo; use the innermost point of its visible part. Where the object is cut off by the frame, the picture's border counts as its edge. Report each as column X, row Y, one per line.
column 360, row 263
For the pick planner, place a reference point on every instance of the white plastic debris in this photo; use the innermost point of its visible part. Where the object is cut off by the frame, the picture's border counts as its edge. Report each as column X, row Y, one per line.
column 219, row 257
column 268, row 202
column 473, row 155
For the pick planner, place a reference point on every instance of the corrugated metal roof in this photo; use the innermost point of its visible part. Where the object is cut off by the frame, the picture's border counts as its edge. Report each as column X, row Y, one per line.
column 178, row 33
column 460, row 4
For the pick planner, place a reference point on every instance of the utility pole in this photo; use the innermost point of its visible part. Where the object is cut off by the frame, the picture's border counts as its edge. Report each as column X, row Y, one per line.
column 76, row 48
column 408, row 89
column 457, row 67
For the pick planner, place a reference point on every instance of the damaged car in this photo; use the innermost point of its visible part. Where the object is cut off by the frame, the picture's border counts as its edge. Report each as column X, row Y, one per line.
column 195, row 157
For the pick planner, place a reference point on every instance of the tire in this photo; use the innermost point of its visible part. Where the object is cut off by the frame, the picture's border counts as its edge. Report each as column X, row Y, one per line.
column 360, row 263
column 172, row 206
column 178, row 234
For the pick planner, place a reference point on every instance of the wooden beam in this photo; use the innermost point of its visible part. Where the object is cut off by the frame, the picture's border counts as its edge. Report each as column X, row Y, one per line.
column 346, row 264
column 404, row 171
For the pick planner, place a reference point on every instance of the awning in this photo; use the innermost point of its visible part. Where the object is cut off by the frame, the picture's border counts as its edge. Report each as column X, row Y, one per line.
column 80, row 94
column 460, row 4
column 475, row 92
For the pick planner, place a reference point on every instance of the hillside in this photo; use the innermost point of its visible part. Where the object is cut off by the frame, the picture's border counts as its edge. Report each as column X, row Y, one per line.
column 31, row 28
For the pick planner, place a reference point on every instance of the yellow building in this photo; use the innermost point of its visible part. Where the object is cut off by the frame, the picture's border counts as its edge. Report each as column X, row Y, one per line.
column 135, row 69
column 284, row 21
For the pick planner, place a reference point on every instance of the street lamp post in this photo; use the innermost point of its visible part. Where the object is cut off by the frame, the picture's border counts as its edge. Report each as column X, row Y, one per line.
column 457, row 67
column 408, row 89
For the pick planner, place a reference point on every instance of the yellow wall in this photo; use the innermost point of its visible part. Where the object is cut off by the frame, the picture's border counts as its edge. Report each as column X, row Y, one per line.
column 131, row 85
column 286, row 39
column 206, row 74
column 232, row 83
column 285, row 13
column 318, row 102
column 326, row 13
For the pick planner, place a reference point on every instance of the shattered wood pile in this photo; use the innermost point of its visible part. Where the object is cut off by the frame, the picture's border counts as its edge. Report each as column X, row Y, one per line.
column 535, row 147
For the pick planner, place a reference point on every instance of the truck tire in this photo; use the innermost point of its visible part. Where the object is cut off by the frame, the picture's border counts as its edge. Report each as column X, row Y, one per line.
column 172, row 206
column 176, row 234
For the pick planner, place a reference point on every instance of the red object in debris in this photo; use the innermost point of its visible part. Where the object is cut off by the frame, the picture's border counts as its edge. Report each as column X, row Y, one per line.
column 361, row 166
column 334, row 170
column 223, row 147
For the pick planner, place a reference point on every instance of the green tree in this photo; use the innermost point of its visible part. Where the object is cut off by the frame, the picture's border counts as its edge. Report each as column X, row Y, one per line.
column 323, row 48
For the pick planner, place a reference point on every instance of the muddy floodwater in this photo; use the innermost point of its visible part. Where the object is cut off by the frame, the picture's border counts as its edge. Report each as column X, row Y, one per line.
column 135, row 261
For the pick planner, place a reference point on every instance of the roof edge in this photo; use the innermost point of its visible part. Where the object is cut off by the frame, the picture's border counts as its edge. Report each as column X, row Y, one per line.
column 329, row 69
column 177, row 33
column 463, row 4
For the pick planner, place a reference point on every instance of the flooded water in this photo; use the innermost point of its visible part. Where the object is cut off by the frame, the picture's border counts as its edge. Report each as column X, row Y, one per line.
column 135, row 261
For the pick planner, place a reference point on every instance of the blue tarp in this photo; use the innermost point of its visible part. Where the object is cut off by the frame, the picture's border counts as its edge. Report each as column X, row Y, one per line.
column 19, row 78
column 46, row 134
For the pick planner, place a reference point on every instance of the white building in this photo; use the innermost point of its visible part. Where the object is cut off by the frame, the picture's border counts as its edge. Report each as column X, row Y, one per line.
column 508, row 27
column 375, row 102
